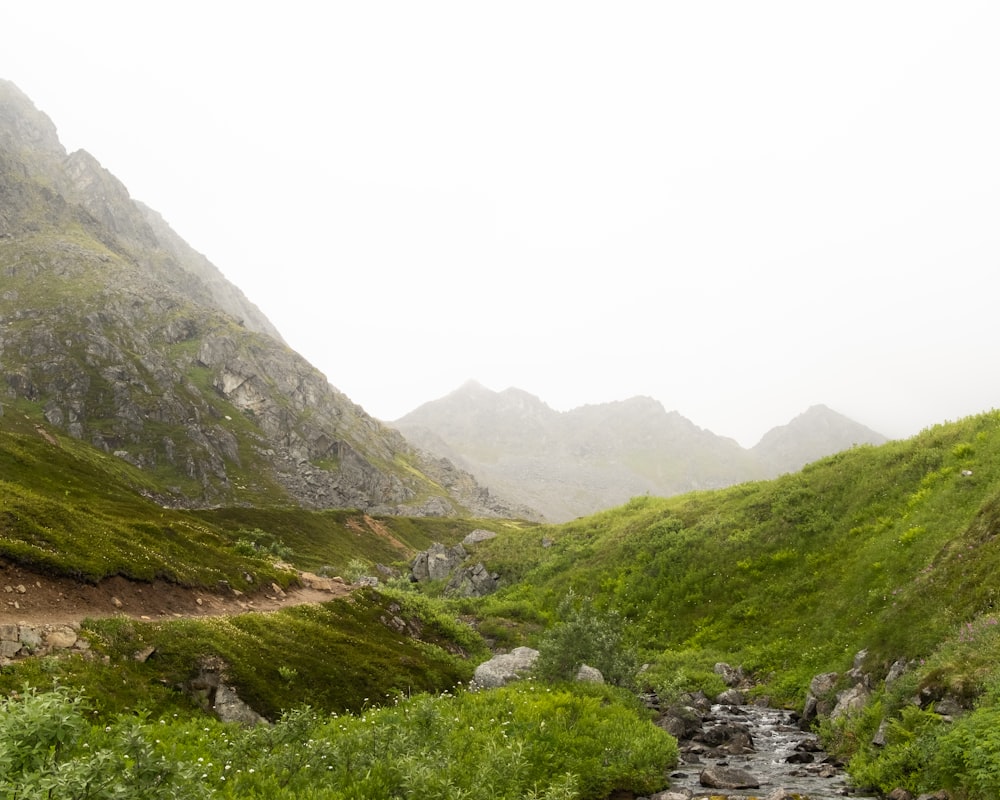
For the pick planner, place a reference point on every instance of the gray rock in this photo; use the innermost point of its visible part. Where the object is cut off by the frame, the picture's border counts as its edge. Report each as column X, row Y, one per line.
column 681, row 722
column 895, row 672
column 587, row 674
column 473, row 582
column 60, row 638
column 783, row 794
column 210, row 689
column 823, row 684
column 504, row 668
column 30, row 637
column 436, row 562
column 879, row 739
column 850, row 701
column 477, row 536
column 731, row 697
column 717, row 777
column 229, row 707
column 9, row 649
column 948, row 706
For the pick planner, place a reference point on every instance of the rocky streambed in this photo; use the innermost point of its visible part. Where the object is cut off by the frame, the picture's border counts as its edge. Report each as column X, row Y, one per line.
column 742, row 751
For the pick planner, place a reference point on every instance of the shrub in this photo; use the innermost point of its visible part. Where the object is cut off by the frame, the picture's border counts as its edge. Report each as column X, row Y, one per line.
column 508, row 744
column 585, row 635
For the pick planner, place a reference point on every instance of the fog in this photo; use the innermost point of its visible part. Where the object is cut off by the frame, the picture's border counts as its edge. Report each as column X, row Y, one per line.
column 740, row 209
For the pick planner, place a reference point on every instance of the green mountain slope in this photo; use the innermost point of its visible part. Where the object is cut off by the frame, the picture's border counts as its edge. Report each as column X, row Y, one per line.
column 886, row 548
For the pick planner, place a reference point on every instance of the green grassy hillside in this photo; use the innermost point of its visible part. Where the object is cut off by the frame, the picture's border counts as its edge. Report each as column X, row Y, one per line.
column 887, row 548
column 67, row 508
column 892, row 549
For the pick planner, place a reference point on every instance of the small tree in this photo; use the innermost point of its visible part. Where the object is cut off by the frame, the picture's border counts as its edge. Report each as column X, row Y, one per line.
column 584, row 635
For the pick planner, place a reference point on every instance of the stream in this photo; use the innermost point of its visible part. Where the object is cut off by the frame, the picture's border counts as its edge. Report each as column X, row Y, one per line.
column 775, row 739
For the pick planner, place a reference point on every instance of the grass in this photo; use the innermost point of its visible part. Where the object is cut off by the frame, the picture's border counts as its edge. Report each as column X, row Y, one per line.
column 519, row 742
column 886, row 548
column 893, row 549
column 333, row 656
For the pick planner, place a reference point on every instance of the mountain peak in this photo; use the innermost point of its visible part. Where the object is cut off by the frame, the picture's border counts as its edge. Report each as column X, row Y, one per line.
column 23, row 127
column 816, row 432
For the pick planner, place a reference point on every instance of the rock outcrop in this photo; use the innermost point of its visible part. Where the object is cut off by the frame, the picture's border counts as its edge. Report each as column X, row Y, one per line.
column 19, row 640
column 440, row 563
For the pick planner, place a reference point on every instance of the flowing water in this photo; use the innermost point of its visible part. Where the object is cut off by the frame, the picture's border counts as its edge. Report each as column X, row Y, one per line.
column 775, row 740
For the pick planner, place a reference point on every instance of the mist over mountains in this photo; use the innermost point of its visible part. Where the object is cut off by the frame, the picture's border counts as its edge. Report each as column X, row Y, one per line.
column 124, row 336
column 572, row 463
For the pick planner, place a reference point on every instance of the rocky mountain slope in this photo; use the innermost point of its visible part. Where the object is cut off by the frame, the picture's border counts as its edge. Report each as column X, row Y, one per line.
column 568, row 464
column 116, row 331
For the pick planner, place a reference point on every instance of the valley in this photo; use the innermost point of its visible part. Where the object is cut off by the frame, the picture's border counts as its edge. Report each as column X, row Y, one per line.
column 170, row 468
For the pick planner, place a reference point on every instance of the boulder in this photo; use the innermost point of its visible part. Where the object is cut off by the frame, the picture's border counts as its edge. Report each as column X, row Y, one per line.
column 728, row 737
column 30, row 637
column 9, row 649
column 896, row 672
column 473, row 582
column 731, row 697
column 857, row 672
column 823, row 684
column 718, row 777
column 850, row 701
column 228, row 707
column 60, row 638
column 436, row 562
column 589, row 674
column 504, row 668
column 477, row 536
column 681, row 722
column 209, row 689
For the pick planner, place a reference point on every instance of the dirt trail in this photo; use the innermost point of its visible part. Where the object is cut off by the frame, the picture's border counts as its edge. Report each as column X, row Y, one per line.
column 31, row 598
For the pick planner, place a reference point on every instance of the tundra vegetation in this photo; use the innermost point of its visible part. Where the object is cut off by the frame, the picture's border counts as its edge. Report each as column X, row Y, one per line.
column 892, row 549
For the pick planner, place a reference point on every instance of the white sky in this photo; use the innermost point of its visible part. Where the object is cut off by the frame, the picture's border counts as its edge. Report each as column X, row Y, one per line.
column 738, row 208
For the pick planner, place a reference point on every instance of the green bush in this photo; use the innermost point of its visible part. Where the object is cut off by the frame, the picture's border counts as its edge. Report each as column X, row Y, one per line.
column 49, row 749
column 508, row 744
column 584, row 635
column 966, row 758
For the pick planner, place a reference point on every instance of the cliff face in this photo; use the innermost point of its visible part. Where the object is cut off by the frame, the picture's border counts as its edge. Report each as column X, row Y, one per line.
column 117, row 332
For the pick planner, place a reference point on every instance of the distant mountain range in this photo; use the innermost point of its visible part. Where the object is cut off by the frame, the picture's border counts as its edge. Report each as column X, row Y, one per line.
column 572, row 463
column 114, row 331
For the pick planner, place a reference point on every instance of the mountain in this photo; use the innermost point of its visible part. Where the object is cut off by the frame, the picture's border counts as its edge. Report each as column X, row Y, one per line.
column 567, row 464
column 117, row 332
column 817, row 432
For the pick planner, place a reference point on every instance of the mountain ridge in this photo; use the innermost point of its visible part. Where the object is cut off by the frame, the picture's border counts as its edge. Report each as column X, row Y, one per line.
column 115, row 330
column 571, row 463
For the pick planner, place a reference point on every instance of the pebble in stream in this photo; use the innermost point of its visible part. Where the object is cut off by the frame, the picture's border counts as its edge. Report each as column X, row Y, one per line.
column 765, row 747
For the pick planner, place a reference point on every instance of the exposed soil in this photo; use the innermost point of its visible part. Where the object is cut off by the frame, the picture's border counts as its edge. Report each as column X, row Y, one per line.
column 32, row 598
